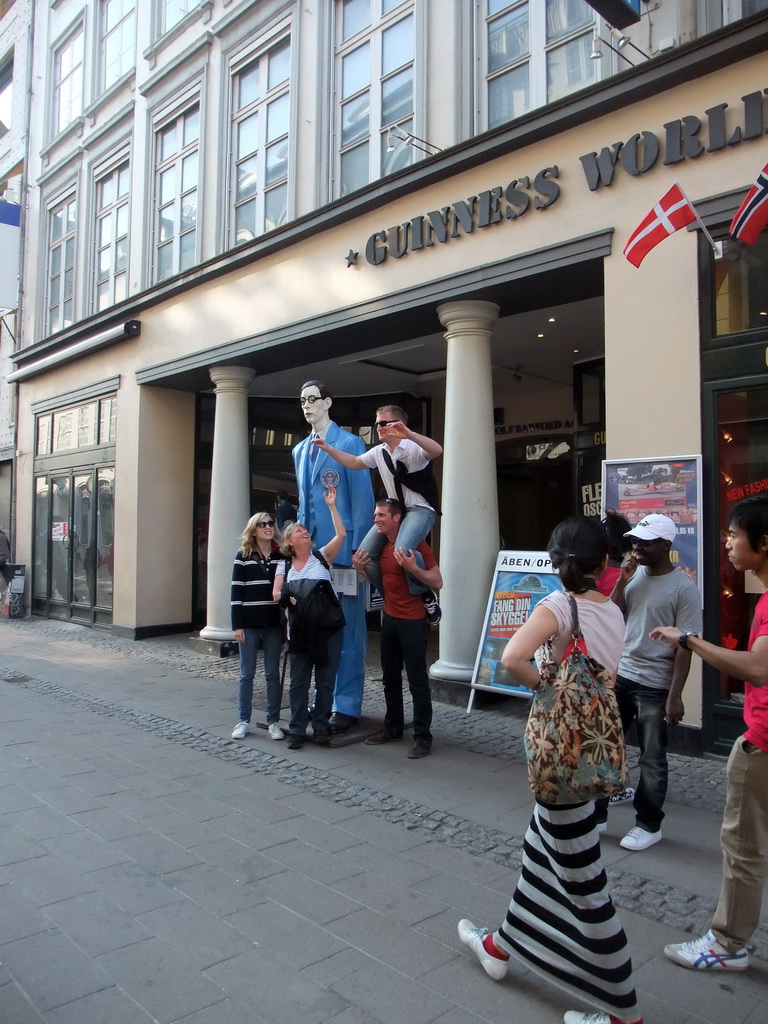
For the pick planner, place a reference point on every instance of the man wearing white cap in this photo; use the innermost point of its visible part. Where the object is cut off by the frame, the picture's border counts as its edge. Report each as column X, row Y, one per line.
column 650, row 679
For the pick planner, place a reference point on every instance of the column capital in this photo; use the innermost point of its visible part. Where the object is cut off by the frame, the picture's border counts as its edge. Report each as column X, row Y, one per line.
column 470, row 315
column 231, row 378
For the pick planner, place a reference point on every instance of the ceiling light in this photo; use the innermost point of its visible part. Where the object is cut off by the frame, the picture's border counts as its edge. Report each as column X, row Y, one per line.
column 539, row 335
column 551, row 320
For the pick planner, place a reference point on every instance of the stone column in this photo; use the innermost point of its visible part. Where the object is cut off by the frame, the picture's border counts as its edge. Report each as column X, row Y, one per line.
column 230, row 493
column 469, row 530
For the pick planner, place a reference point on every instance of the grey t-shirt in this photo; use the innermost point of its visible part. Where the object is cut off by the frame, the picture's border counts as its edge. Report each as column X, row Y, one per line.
column 649, row 601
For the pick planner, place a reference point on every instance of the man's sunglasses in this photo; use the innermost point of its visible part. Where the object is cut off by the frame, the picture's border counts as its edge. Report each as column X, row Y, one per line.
column 638, row 543
column 266, row 522
column 384, row 423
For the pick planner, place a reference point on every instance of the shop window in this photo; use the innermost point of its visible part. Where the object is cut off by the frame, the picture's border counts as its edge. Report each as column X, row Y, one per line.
column 118, row 39
column 6, row 97
column 741, row 288
column 61, row 266
column 68, row 80
column 177, row 154
column 260, row 144
column 742, row 463
column 87, row 425
column 112, row 212
column 375, row 89
column 533, row 54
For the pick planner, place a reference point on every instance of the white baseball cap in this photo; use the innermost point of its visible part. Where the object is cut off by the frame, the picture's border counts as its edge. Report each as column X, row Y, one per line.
column 654, row 527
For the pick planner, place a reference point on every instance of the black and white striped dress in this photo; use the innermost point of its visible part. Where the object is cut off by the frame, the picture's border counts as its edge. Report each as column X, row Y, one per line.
column 561, row 920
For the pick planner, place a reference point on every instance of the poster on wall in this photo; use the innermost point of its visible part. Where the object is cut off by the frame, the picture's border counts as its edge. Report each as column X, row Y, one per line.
column 521, row 579
column 639, row 487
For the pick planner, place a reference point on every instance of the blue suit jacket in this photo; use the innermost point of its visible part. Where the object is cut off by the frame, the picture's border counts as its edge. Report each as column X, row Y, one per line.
column 354, row 493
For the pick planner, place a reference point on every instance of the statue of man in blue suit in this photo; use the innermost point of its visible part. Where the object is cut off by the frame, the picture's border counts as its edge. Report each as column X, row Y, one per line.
column 354, row 500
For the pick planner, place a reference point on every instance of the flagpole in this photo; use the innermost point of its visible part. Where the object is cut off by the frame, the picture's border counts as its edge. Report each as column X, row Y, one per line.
column 715, row 247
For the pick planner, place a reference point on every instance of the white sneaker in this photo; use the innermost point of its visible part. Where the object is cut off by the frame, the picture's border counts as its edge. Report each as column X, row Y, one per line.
column 275, row 731
column 639, row 839
column 593, row 1017
column 706, row 954
column 473, row 937
column 624, row 797
column 241, row 730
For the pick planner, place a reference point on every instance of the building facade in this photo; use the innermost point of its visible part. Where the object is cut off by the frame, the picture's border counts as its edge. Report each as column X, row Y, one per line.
column 416, row 201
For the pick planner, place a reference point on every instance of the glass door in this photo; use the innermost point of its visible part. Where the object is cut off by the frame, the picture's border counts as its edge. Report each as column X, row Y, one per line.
column 74, row 545
column 739, row 432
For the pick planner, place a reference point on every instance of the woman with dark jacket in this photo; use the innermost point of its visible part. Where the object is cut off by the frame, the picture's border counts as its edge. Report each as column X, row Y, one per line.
column 256, row 620
column 311, row 647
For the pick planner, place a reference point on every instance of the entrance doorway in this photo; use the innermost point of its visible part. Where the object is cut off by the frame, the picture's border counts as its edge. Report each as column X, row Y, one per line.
column 74, row 545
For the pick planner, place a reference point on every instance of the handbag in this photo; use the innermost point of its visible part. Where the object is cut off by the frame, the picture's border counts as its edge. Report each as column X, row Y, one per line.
column 574, row 740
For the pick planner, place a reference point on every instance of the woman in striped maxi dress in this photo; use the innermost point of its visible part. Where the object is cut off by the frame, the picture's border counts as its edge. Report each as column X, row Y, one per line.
column 561, row 921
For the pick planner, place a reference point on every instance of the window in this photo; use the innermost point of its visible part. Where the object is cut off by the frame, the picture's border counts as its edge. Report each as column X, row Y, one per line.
column 111, row 272
column 61, row 266
column 68, row 79
column 740, row 287
column 81, row 426
column 260, row 144
column 177, row 151
column 375, row 89
column 173, row 11
column 118, row 39
column 534, row 54
column 6, row 97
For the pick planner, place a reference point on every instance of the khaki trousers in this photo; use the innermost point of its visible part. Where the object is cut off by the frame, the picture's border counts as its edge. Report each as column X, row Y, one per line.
column 744, row 842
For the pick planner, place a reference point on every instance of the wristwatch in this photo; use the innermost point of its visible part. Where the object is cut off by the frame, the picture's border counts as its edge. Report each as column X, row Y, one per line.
column 683, row 641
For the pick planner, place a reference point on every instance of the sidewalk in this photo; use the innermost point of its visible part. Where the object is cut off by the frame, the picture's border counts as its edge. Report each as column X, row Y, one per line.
column 153, row 869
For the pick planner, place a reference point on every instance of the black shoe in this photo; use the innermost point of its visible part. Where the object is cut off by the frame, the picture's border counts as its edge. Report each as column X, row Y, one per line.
column 419, row 749
column 295, row 742
column 339, row 722
column 381, row 737
column 322, row 738
column 433, row 609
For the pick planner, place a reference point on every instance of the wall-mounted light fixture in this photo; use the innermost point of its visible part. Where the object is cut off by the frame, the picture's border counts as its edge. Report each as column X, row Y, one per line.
column 597, row 50
column 128, row 329
column 624, row 40
column 397, row 134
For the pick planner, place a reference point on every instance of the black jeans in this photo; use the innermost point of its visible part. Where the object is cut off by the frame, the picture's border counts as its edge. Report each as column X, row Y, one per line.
column 404, row 643
column 647, row 707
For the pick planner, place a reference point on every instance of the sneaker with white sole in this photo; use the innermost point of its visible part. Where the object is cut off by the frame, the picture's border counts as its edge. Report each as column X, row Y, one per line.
column 624, row 797
column 706, row 954
column 473, row 937
column 433, row 609
column 275, row 731
column 241, row 730
column 639, row 839
column 594, row 1017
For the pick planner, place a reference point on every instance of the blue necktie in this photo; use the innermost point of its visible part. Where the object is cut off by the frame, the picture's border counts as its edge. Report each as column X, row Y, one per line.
column 314, row 450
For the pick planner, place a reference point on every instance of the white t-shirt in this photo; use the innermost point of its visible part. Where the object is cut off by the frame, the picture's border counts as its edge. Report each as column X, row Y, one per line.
column 411, row 455
column 313, row 569
column 601, row 623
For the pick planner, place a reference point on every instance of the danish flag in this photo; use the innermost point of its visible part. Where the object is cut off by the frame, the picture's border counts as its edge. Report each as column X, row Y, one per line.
column 672, row 212
column 752, row 216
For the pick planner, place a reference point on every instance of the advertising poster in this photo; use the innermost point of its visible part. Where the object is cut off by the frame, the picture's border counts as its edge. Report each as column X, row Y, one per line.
column 521, row 580
column 638, row 487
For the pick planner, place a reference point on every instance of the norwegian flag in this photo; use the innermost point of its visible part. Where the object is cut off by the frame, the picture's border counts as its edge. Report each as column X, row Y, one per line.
column 752, row 216
column 672, row 212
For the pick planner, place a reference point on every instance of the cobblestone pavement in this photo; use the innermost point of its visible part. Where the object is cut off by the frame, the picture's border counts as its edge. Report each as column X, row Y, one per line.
column 494, row 731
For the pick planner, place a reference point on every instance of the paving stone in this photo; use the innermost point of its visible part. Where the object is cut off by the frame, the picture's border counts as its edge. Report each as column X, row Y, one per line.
column 163, row 983
column 238, row 860
column 50, row 966
column 46, row 880
column 131, row 887
column 284, row 933
column 214, row 940
column 214, row 890
column 394, row 899
column 96, row 923
column 283, row 997
column 15, row 1007
column 394, row 944
column 112, row 1005
column 20, row 916
column 323, row 867
column 16, row 846
column 389, row 997
column 156, row 854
